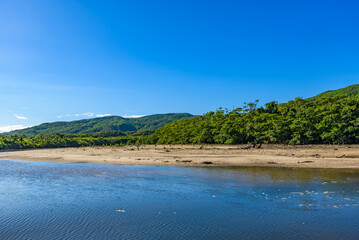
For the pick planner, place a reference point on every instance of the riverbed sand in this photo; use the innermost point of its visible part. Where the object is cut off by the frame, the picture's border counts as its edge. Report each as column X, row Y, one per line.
column 307, row 156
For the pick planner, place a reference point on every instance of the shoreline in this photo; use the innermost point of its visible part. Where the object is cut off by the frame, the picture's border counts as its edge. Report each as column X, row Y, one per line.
column 303, row 156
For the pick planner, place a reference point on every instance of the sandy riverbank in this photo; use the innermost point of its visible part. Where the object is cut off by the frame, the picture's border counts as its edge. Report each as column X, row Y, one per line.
column 310, row 156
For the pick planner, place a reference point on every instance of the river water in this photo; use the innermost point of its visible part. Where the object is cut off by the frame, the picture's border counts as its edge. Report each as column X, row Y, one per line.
column 40, row 200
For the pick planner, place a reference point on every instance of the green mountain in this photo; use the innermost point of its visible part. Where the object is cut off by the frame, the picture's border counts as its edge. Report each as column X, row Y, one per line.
column 352, row 91
column 112, row 123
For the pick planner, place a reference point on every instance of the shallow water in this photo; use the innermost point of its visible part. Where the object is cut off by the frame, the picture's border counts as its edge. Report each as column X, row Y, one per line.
column 91, row 201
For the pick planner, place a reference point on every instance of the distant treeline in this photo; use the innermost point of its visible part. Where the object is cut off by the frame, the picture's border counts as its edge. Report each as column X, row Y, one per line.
column 114, row 138
column 323, row 120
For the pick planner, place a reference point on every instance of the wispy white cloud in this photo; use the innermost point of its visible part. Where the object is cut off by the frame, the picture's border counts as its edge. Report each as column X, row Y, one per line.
column 66, row 115
column 20, row 117
column 87, row 114
column 133, row 116
column 12, row 128
column 103, row 115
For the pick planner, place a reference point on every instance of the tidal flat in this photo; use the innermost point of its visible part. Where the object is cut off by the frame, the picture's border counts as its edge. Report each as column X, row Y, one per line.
column 271, row 155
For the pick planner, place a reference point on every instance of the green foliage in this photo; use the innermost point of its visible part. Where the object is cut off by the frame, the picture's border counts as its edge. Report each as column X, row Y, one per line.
column 350, row 91
column 324, row 120
column 69, row 140
column 332, row 120
column 104, row 124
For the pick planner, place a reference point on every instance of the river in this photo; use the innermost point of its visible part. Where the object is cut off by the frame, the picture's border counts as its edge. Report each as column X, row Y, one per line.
column 42, row 200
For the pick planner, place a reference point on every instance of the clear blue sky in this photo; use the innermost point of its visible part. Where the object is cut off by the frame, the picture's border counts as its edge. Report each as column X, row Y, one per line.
column 67, row 59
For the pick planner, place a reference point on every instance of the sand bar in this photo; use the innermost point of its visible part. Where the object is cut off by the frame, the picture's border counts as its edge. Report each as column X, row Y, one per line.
column 305, row 156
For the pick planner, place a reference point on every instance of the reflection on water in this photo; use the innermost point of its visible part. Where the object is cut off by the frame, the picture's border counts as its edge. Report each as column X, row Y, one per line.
column 91, row 201
column 299, row 174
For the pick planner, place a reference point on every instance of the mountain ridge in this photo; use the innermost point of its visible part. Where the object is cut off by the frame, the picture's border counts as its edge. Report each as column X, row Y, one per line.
column 351, row 91
column 101, row 124
column 122, row 124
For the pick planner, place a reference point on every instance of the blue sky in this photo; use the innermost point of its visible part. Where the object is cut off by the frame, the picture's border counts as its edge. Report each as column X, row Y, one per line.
column 66, row 59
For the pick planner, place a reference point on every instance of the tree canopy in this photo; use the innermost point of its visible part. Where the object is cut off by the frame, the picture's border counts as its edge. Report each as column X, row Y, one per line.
column 324, row 120
column 327, row 120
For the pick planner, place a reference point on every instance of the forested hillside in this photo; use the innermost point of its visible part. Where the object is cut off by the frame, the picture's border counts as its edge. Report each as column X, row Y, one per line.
column 324, row 120
column 319, row 120
column 103, row 124
column 350, row 91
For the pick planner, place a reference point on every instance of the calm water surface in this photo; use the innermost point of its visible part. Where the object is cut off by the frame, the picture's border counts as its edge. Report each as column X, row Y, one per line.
column 91, row 201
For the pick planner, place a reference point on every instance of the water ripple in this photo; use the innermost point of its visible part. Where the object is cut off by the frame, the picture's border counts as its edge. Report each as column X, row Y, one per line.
column 91, row 201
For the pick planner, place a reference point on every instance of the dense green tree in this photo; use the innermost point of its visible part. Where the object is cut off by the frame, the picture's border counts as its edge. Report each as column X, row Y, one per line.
column 301, row 121
column 324, row 120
